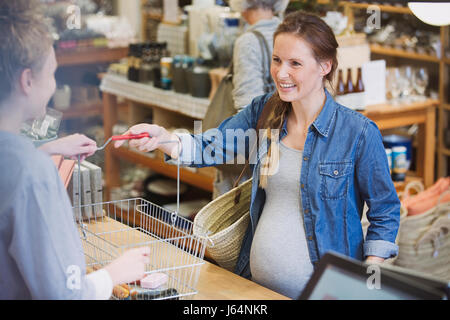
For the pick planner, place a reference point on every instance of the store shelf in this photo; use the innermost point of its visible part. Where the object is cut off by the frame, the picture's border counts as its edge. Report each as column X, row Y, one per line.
column 90, row 56
column 446, row 106
column 376, row 48
column 159, row 165
column 445, row 151
column 384, row 8
column 90, row 109
column 153, row 16
column 446, row 60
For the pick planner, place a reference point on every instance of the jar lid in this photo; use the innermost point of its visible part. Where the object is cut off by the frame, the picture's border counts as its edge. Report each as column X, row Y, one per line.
column 399, row 149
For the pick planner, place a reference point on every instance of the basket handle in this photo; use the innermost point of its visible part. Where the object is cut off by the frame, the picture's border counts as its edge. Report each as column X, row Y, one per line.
column 413, row 185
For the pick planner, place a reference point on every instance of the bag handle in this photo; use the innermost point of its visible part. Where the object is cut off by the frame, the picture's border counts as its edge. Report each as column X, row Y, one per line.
column 413, row 185
column 265, row 61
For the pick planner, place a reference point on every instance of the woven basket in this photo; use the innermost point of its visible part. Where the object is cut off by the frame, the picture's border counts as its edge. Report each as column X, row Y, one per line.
column 224, row 222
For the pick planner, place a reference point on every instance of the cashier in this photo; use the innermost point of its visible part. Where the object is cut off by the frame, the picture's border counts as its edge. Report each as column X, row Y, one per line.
column 311, row 182
column 41, row 256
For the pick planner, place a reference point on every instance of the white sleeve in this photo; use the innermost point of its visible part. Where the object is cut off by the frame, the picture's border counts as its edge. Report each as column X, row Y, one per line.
column 102, row 282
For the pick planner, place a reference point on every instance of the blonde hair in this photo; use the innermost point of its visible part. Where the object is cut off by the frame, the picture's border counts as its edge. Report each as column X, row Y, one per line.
column 25, row 41
column 321, row 38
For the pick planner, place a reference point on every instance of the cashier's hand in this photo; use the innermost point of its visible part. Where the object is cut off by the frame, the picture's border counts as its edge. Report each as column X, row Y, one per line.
column 157, row 134
column 71, row 146
column 130, row 266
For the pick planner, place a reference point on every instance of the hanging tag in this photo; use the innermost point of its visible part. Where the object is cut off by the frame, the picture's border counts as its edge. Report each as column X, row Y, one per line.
column 173, row 218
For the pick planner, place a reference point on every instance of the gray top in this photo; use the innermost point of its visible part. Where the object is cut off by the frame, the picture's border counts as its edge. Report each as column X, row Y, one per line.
column 41, row 255
column 247, row 62
column 279, row 258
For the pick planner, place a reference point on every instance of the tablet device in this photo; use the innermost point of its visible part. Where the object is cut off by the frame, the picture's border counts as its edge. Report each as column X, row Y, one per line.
column 338, row 277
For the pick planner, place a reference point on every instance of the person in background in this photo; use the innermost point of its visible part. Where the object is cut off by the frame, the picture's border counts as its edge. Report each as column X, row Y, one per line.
column 248, row 60
column 41, row 255
column 315, row 171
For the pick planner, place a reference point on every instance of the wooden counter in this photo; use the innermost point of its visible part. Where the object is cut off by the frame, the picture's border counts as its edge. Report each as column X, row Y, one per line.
column 108, row 238
column 216, row 283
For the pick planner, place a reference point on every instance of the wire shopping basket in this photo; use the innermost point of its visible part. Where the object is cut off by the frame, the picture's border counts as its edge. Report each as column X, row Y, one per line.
column 117, row 226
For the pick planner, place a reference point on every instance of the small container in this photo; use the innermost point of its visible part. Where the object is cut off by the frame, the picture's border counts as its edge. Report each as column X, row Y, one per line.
column 400, row 163
column 199, row 82
column 179, row 75
column 166, row 73
column 389, row 157
column 145, row 75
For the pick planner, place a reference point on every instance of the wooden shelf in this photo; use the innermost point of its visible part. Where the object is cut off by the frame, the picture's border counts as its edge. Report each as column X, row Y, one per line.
column 384, row 8
column 153, row 16
column 90, row 109
column 445, row 151
column 410, row 176
column 376, row 48
column 446, row 106
column 158, row 165
column 90, row 56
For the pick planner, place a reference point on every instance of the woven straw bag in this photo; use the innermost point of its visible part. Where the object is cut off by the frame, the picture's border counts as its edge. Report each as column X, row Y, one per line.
column 224, row 222
column 424, row 241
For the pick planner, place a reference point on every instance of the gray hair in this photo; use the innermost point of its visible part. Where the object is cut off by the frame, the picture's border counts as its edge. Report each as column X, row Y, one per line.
column 277, row 6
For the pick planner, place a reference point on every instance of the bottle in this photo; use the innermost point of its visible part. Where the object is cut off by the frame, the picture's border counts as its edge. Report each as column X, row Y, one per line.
column 166, row 73
column 399, row 163
column 166, row 68
column 349, row 88
column 359, row 82
column 132, row 71
column 145, row 71
column 157, row 65
column 340, row 90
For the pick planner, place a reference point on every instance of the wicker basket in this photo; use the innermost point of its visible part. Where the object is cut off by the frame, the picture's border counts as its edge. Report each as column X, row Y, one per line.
column 424, row 241
column 224, row 221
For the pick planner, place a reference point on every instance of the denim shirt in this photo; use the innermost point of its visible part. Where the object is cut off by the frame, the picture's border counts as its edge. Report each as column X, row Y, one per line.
column 344, row 165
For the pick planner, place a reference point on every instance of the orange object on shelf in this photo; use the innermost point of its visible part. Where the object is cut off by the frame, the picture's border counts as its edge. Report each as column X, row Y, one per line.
column 65, row 168
column 429, row 198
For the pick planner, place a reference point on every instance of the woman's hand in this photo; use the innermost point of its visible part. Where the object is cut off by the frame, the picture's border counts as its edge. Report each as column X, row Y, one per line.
column 71, row 146
column 157, row 135
column 130, row 266
column 374, row 260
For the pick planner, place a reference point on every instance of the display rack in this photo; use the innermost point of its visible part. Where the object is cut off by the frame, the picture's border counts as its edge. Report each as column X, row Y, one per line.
column 87, row 56
column 168, row 109
column 443, row 62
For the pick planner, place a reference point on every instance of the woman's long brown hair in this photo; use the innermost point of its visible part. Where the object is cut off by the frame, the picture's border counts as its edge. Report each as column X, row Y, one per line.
column 322, row 41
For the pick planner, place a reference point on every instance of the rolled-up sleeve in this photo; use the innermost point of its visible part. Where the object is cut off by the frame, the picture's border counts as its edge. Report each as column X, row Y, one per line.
column 378, row 191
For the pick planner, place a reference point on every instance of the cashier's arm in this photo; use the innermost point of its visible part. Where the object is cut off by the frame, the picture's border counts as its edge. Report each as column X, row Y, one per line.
column 160, row 138
column 71, row 146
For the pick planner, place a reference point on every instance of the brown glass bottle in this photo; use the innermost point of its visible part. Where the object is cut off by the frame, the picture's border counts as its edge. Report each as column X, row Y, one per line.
column 340, row 90
column 349, row 87
column 359, row 82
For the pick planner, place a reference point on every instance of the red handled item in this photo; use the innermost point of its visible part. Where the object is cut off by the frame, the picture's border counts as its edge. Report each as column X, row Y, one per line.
column 131, row 136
